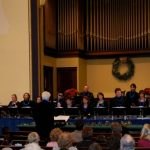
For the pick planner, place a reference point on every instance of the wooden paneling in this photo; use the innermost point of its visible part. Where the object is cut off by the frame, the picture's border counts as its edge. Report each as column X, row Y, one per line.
column 48, row 79
column 66, row 78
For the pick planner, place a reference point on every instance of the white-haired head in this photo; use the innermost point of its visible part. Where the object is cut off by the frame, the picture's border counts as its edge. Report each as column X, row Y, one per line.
column 127, row 142
column 33, row 137
column 46, row 95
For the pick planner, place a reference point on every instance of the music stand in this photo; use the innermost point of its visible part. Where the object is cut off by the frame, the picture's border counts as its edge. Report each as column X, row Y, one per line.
column 119, row 111
column 13, row 111
column 72, row 111
column 25, row 112
column 100, row 111
column 58, row 111
column 135, row 110
column 146, row 111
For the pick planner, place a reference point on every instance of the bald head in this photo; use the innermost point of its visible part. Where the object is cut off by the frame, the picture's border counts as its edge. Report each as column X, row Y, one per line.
column 86, row 88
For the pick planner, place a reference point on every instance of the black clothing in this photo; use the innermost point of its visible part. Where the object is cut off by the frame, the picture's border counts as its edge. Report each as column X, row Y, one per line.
column 89, row 95
column 85, row 111
column 13, row 104
column 61, row 101
column 26, row 103
column 118, row 101
column 132, row 98
column 44, row 118
column 84, row 143
column 144, row 104
column 114, row 142
column 101, row 104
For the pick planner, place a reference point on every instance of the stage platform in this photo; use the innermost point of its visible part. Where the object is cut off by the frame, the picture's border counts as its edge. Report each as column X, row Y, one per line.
column 103, row 124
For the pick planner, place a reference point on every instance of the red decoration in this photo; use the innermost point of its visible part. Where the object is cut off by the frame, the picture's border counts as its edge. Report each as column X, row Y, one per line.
column 71, row 93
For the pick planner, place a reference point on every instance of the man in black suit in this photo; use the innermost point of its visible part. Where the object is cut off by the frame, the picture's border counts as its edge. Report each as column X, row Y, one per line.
column 132, row 96
column 43, row 116
column 89, row 94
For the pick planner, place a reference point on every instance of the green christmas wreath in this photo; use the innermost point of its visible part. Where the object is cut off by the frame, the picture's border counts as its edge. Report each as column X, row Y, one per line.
column 116, row 66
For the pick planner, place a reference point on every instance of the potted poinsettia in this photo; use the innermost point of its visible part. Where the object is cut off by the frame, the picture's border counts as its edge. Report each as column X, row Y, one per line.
column 71, row 93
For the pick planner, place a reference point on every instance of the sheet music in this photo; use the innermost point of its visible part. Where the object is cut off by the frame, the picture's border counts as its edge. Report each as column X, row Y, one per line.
column 62, row 117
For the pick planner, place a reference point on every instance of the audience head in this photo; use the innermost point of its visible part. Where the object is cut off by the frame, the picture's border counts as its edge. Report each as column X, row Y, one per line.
column 85, row 100
column 86, row 88
column 26, row 96
column 116, row 128
column 38, row 99
column 87, row 133
column 127, row 142
column 46, row 95
column 79, row 124
column 14, row 97
column 101, row 139
column 145, row 133
column 100, row 95
column 65, row 140
column 95, row 146
column 118, row 92
column 33, row 137
column 55, row 133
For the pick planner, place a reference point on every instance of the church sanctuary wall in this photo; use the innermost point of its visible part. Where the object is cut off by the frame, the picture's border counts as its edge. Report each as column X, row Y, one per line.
column 14, row 49
column 81, row 69
column 100, row 78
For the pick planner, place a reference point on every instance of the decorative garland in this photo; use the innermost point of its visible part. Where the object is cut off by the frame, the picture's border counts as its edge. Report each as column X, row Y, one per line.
column 116, row 65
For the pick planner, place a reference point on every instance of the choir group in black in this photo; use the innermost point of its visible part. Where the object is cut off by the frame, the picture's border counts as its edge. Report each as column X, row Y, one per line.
column 44, row 108
column 85, row 101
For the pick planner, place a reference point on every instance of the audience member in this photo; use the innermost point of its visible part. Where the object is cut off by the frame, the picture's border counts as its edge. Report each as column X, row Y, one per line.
column 87, row 134
column 14, row 102
column 142, row 99
column 100, row 100
column 114, row 140
column 33, row 139
column 43, row 116
column 127, row 142
column 95, row 146
column 77, row 134
column 87, row 93
column 145, row 136
column 54, row 136
column 65, row 142
column 26, row 102
column 132, row 96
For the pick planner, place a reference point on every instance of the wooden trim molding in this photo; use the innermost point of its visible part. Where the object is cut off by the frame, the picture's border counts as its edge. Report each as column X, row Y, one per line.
column 34, row 43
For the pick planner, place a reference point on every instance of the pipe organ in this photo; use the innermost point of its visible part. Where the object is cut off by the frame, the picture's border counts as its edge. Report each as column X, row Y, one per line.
column 100, row 26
